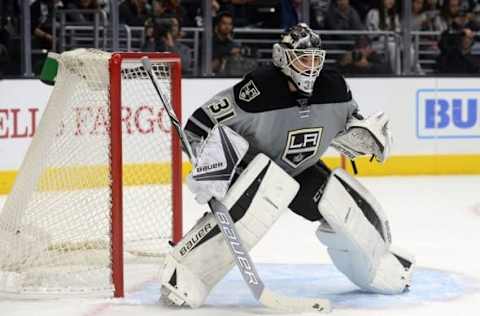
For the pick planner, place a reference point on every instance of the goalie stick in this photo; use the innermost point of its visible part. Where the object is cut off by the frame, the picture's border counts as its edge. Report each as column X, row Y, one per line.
column 242, row 258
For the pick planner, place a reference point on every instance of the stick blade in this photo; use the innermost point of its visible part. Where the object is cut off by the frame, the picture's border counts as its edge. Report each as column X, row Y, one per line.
column 293, row 304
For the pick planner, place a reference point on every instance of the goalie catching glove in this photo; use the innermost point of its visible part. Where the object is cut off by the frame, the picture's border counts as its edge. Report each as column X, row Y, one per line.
column 365, row 136
column 217, row 159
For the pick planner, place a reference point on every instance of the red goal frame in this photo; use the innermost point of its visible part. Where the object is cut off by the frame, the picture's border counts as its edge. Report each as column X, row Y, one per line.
column 115, row 92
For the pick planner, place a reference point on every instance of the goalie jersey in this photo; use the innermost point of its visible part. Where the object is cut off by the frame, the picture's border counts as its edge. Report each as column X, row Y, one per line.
column 292, row 129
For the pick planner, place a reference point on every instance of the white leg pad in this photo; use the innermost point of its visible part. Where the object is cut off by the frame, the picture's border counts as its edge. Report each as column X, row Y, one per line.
column 392, row 276
column 357, row 248
column 256, row 200
column 180, row 285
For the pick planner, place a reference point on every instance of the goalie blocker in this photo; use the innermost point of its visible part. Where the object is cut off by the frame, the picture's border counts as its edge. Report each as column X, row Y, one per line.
column 256, row 200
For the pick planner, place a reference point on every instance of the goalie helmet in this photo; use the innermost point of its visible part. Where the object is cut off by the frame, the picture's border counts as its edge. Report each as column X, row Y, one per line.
column 299, row 56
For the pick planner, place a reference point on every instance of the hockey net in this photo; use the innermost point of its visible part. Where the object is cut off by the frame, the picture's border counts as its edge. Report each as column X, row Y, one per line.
column 81, row 205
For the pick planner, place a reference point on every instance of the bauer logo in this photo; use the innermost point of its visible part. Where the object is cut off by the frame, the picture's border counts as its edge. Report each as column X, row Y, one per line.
column 193, row 241
column 448, row 113
column 209, row 168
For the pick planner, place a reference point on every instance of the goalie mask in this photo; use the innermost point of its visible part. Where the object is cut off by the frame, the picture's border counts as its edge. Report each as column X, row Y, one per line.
column 299, row 56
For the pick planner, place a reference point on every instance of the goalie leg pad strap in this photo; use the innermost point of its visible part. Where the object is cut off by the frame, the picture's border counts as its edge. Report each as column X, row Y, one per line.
column 256, row 200
column 358, row 238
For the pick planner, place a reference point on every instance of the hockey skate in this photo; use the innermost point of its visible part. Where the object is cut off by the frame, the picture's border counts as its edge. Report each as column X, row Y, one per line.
column 170, row 297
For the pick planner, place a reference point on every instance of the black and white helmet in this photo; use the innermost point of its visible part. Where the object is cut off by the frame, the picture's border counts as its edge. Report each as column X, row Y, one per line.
column 299, row 56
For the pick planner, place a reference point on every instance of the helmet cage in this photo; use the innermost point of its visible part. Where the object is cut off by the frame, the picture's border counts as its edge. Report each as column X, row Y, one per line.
column 306, row 62
column 302, row 66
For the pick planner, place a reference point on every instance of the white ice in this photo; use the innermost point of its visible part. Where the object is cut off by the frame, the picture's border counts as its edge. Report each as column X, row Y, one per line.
column 436, row 218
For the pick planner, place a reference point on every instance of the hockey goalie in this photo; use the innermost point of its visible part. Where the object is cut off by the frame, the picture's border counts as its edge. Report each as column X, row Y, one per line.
column 258, row 146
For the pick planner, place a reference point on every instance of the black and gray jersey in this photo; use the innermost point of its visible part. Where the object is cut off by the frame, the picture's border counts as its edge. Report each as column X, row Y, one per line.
column 290, row 128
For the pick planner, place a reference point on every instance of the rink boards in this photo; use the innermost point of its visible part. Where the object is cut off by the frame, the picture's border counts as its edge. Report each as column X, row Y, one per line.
column 435, row 123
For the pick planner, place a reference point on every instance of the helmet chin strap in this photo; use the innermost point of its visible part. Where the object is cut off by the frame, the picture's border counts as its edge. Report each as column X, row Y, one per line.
column 294, row 88
column 298, row 86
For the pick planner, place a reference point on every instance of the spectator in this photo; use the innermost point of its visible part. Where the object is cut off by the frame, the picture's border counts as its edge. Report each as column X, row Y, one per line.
column 240, row 9
column 290, row 10
column 465, row 5
column 193, row 12
column 430, row 10
column 12, row 8
column 420, row 20
column 164, row 39
column 163, row 36
column 363, row 59
column 41, row 26
column 159, row 8
column 160, row 12
column 456, row 53
column 9, row 37
column 158, row 36
column 430, row 5
column 134, row 12
column 223, row 44
column 175, row 9
column 228, row 57
column 450, row 10
column 453, row 16
column 385, row 18
column 341, row 16
column 239, row 64
column 318, row 13
column 4, row 55
column 78, row 17
column 41, row 17
column 181, row 49
column 162, row 9
column 476, row 14
column 4, row 34
column 363, row 6
column 7, row 24
column 149, row 44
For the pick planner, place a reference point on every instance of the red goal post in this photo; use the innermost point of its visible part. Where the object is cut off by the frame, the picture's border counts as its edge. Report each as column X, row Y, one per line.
column 115, row 66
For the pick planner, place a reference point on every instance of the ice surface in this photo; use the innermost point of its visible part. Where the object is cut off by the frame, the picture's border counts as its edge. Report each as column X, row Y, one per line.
column 436, row 218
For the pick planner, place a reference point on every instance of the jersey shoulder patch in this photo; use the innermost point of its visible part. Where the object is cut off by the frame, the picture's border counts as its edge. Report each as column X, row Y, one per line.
column 330, row 87
column 264, row 89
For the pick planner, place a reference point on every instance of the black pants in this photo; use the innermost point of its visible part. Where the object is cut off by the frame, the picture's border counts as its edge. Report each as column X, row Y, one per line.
column 312, row 182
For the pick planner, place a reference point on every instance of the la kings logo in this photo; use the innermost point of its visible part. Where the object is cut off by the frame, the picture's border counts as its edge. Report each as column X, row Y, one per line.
column 302, row 144
column 248, row 92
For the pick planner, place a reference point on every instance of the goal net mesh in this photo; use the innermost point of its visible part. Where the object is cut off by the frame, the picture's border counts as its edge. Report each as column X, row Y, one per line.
column 55, row 225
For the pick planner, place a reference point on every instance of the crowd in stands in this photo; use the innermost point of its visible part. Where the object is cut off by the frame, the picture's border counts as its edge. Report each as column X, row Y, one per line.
column 162, row 20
